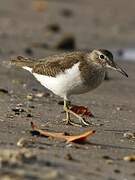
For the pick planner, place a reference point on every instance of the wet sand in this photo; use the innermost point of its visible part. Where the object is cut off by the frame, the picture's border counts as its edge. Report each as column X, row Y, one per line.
column 24, row 32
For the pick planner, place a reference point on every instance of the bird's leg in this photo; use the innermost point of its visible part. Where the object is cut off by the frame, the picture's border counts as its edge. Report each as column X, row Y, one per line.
column 66, row 109
column 68, row 112
column 66, row 106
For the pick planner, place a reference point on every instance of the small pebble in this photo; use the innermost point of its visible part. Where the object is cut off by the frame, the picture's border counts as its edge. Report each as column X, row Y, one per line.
column 4, row 90
column 42, row 94
column 133, row 174
column 31, row 106
column 106, row 157
column 39, row 95
column 69, row 157
column 10, row 116
column 109, row 161
column 34, row 89
column 69, row 145
column 29, row 115
column 129, row 135
column 67, row 12
column 22, row 142
column 61, row 102
column 53, row 27
column 18, row 110
column 117, row 171
column 29, row 97
column 118, row 108
column 28, row 51
column 67, row 42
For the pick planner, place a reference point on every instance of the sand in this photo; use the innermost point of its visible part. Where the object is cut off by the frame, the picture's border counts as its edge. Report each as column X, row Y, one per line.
column 108, row 24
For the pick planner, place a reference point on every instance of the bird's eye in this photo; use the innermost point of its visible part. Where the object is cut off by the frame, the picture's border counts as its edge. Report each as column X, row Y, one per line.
column 101, row 56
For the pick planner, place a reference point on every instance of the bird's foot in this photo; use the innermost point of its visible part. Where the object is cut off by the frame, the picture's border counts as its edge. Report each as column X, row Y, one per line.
column 69, row 122
column 81, row 119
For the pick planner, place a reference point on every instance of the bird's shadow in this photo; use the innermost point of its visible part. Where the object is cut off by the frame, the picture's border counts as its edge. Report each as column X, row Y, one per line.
column 107, row 146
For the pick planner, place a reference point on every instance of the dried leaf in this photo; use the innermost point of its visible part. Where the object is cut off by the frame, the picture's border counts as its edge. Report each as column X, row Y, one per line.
column 40, row 5
column 129, row 158
column 81, row 110
column 68, row 138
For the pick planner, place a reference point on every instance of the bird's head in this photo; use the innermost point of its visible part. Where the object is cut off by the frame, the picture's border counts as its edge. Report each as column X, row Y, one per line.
column 104, row 58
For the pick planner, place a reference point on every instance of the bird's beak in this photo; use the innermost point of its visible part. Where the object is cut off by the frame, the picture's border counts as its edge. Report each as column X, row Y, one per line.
column 119, row 69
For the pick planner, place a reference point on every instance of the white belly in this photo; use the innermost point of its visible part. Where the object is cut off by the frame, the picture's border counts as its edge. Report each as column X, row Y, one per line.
column 64, row 84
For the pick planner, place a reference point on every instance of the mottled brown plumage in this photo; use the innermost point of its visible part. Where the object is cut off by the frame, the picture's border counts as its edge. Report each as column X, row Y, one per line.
column 56, row 64
column 23, row 61
column 51, row 65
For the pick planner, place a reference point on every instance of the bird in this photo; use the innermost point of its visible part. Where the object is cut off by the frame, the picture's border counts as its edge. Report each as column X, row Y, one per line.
column 71, row 73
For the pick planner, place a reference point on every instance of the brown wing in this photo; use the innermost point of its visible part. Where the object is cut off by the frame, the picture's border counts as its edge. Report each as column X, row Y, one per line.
column 22, row 61
column 53, row 65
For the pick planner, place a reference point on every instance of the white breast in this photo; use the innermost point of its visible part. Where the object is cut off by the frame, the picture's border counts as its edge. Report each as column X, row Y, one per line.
column 27, row 68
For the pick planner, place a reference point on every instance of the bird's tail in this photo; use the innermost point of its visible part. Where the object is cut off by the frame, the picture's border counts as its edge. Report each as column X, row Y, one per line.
column 22, row 61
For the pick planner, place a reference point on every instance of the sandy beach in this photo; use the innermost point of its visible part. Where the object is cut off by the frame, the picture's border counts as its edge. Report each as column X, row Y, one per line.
column 36, row 29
